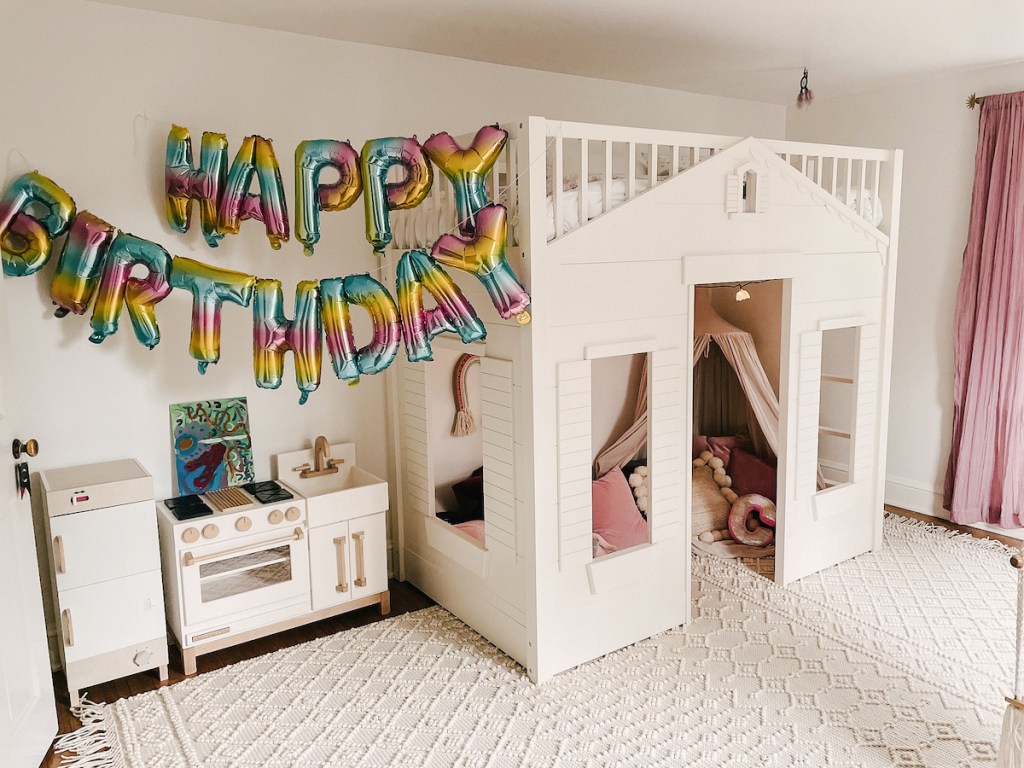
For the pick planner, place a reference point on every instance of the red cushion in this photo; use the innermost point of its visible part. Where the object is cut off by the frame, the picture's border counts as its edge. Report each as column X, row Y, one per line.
column 615, row 516
column 723, row 447
column 751, row 474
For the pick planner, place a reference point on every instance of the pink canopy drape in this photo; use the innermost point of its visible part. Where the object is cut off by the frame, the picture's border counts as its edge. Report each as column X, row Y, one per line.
column 985, row 475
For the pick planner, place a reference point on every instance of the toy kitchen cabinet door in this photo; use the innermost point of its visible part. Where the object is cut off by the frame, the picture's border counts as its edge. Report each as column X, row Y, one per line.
column 28, row 717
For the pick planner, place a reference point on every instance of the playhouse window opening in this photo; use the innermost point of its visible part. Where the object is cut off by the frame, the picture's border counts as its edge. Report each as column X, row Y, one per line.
column 621, row 492
column 837, row 405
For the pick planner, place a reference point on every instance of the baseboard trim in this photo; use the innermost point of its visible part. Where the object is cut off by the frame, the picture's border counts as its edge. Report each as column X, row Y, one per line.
column 918, row 497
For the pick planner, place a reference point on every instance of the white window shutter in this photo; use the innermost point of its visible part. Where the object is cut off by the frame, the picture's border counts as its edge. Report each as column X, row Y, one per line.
column 867, row 393
column 499, row 452
column 666, row 455
column 575, row 508
column 733, row 196
column 763, row 192
column 417, row 474
column 809, row 393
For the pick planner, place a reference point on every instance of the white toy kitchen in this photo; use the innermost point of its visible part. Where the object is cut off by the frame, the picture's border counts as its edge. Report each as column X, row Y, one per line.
column 247, row 561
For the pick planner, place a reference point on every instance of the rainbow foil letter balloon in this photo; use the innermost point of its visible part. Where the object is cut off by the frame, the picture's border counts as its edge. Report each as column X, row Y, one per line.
column 210, row 288
column 336, row 296
column 184, row 183
column 484, row 256
column 118, row 287
column 377, row 157
column 467, row 169
column 273, row 336
column 26, row 239
column 453, row 313
column 255, row 157
column 312, row 197
column 80, row 264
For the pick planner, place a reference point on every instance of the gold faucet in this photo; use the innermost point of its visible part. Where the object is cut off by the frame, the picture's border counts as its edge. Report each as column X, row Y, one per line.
column 323, row 464
column 321, row 454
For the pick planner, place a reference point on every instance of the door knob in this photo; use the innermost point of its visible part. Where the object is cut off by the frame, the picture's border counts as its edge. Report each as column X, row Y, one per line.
column 29, row 447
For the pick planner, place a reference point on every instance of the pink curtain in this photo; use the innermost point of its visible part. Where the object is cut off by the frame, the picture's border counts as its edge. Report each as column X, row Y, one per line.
column 985, row 475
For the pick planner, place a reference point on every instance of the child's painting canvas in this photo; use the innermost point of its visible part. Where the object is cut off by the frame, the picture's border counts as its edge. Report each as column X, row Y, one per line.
column 211, row 444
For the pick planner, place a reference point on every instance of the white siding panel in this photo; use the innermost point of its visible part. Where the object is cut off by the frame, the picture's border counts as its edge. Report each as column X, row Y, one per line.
column 499, row 454
column 418, row 475
column 666, row 455
column 575, row 513
column 809, row 387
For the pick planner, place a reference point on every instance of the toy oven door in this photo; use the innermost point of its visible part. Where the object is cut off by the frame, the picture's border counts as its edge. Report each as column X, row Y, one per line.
column 244, row 576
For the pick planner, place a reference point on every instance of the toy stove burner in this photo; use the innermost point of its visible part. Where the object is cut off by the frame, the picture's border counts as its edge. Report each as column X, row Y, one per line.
column 187, row 507
column 268, row 492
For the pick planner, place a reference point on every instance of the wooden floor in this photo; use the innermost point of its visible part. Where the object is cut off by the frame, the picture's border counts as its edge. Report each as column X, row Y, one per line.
column 404, row 598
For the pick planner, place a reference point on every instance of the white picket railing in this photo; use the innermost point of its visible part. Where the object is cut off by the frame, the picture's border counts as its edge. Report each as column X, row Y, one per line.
column 624, row 162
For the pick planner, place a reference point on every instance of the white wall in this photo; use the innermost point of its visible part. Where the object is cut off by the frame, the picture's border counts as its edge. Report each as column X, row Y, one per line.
column 939, row 135
column 90, row 95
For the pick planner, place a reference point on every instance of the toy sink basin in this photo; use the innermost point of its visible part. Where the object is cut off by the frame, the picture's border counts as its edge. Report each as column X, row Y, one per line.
column 330, row 498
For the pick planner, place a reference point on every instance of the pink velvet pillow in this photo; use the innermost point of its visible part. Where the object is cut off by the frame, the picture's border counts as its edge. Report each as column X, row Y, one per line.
column 751, row 474
column 616, row 518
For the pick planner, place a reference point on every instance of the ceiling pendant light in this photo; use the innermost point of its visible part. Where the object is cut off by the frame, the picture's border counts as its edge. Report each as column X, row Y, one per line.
column 806, row 95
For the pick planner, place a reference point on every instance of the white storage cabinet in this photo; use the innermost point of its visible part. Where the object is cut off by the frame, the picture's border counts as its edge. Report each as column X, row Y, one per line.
column 104, row 565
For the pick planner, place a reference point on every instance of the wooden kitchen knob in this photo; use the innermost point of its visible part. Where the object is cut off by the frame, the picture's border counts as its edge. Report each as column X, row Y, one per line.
column 243, row 524
column 210, row 531
column 190, row 535
column 293, row 514
column 275, row 517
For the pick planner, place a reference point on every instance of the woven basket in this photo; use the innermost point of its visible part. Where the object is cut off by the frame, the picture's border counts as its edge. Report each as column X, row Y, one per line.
column 710, row 508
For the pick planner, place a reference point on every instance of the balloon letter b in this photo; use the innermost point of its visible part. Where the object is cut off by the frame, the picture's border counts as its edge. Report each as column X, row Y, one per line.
column 381, row 197
column 185, row 184
column 26, row 238
column 312, row 197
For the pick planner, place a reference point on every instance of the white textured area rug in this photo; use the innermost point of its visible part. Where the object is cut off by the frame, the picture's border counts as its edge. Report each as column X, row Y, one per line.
column 899, row 657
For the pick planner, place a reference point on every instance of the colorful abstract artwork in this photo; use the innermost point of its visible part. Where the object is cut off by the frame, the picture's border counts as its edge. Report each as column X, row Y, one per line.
column 211, row 444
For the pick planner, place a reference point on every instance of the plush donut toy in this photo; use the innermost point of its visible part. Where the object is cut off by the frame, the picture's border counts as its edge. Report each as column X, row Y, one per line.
column 752, row 520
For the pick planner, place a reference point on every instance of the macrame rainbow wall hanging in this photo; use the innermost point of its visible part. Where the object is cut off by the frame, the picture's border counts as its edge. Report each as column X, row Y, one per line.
column 464, row 422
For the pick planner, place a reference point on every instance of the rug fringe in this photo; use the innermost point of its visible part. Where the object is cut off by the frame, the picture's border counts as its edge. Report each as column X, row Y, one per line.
column 94, row 745
column 938, row 530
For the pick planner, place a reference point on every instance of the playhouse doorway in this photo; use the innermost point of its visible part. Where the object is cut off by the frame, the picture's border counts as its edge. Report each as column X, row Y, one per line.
column 738, row 341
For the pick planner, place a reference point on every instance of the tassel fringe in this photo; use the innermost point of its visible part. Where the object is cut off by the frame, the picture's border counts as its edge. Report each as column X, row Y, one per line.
column 94, row 745
column 1011, row 745
column 464, row 423
column 938, row 530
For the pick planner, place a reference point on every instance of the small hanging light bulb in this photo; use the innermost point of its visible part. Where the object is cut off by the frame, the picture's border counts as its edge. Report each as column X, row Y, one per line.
column 742, row 294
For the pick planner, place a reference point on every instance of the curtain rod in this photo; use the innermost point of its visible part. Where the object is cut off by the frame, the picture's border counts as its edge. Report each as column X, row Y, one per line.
column 973, row 100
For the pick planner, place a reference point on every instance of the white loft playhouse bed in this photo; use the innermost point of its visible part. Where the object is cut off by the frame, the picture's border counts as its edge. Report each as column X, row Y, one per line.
column 664, row 212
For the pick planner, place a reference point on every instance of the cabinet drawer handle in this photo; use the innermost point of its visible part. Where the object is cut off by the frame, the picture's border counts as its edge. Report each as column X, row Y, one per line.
column 360, row 559
column 339, row 545
column 68, row 628
column 58, row 554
